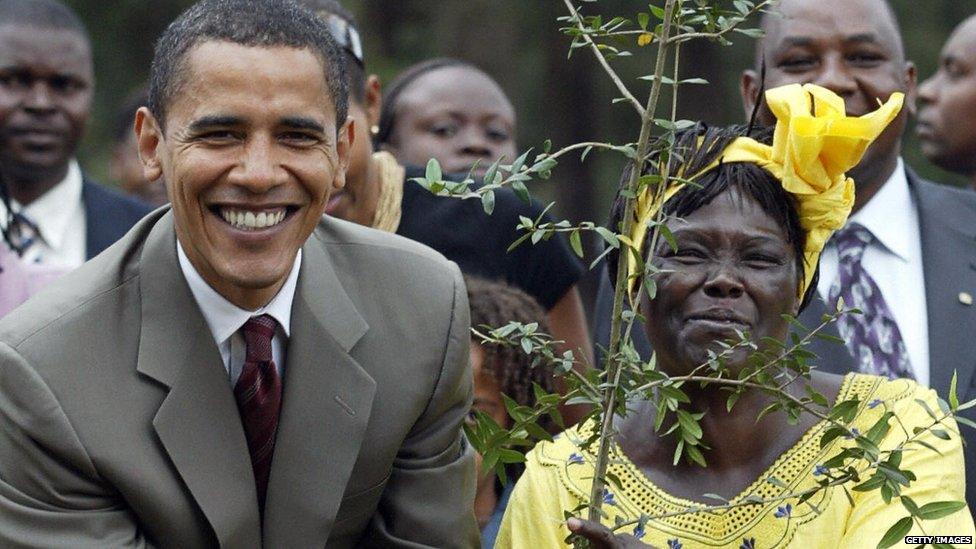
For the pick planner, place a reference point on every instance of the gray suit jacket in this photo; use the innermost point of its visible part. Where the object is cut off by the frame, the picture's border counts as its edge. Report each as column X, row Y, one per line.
column 118, row 425
column 947, row 219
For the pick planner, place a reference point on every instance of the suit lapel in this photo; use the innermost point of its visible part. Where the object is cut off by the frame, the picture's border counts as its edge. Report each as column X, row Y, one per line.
column 325, row 408
column 949, row 259
column 832, row 357
column 197, row 423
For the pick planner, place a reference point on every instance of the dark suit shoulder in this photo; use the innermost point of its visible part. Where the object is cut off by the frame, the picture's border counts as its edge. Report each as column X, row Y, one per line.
column 932, row 195
column 96, row 195
column 75, row 298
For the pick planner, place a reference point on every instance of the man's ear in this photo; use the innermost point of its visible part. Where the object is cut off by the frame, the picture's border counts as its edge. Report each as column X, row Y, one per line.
column 911, row 89
column 344, row 140
column 374, row 100
column 149, row 136
column 749, row 84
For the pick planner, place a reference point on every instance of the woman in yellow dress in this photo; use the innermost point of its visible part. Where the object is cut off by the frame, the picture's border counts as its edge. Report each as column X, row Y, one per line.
column 749, row 232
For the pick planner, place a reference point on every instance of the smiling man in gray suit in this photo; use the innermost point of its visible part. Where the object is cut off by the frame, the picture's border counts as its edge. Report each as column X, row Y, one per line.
column 237, row 371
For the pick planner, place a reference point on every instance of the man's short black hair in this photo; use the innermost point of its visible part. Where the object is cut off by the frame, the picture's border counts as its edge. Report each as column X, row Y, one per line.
column 44, row 14
column 355, row 72
column 252, row 23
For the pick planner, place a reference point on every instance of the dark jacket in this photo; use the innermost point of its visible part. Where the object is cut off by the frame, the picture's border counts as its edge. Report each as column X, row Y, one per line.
column 109, row 215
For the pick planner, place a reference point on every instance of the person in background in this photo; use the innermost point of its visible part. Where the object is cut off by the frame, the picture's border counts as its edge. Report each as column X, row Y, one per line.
column 947, row 117
column 46, row 86
column 125, row 167
column 501, row 370
column 379, row 194
column 449, row 110
column 18, row 279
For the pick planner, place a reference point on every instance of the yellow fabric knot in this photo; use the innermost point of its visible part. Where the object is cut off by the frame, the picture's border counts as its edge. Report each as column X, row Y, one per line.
column 814, row 144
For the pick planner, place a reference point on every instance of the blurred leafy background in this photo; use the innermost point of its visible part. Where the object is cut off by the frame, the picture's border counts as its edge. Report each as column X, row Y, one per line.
column 519, row 43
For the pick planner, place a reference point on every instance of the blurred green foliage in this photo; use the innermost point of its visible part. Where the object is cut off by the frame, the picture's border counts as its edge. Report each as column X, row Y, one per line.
column 516, row 41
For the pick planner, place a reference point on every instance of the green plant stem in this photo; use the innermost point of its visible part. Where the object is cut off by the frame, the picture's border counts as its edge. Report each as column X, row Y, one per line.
column 603, row 61
column 684, row 37
column 614, row 367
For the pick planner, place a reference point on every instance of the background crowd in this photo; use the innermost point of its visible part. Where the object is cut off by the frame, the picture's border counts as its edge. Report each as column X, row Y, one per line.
column 56, row 216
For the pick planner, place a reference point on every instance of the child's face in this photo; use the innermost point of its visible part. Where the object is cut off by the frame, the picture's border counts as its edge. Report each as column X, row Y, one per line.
column 487, row 392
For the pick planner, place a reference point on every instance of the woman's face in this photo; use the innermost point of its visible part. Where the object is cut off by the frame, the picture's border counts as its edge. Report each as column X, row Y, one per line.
column 458, row 116
column 733, row 270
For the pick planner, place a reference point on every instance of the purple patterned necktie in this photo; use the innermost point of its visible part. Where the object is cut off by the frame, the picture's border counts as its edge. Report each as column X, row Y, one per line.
column 872, row 337
column 258, row 394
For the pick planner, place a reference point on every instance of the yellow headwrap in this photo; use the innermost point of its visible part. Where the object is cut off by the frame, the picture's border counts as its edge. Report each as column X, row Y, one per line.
column 814, row 144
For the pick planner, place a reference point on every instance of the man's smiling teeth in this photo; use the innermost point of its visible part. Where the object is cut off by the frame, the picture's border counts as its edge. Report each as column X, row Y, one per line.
column 250, row 221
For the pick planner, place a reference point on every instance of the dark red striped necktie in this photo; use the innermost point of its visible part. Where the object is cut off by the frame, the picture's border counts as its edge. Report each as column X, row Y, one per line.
column 258, row 394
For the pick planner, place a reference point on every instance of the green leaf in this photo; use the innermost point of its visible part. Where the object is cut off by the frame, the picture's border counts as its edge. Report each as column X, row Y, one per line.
column 751, row 33
column 668, row 236
column 492, row 171
column 953, row 399
column 939, row 509
column 643, row 19
column 941, row 434
column 488, row 202
column 521, row 191
column 608, row 236
column 910, row 505
column 896, row 533
column 695, row 454
column 689, row 424
column 434, row 170
column 576, row 243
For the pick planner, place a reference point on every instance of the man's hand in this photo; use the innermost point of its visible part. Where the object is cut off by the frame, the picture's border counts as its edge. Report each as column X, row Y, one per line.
column 602, row 537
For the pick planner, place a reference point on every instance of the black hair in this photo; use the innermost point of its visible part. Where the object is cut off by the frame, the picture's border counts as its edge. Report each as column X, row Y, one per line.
column 44, row 14
column 252, row 23
column 391, row 97
column 699, row 146
column 355, row 71
column 126, row 114
column 495, row 304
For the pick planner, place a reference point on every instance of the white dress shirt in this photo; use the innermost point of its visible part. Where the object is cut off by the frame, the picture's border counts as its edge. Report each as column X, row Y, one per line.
column 894, row 261
column 225, row 319
column 59, row 215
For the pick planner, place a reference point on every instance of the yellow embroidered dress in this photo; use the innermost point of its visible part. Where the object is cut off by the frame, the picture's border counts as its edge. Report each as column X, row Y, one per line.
column 558, row 477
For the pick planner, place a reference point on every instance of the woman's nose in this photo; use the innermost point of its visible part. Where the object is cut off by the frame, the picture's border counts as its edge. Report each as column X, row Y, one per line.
column 475, row 143
column 723, row 283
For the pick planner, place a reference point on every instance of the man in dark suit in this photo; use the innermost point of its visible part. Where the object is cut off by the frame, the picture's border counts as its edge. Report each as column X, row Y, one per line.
column 947, row 116
column 239, row 371
column 921, row 255
column 46, row 86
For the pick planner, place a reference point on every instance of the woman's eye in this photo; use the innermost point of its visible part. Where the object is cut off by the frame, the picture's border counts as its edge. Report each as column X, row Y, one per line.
column 685, row 255
column 443, row 130
column 763, row 260
column 497, row 134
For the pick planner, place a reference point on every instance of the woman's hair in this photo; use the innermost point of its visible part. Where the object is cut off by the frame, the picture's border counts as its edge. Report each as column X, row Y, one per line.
column 355, row 71
column 495, row 304
column 699, row 146
column 391, row 97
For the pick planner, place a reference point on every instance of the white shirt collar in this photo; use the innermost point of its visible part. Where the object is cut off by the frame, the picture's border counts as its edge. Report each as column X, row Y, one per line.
column 894, row 197
column 223, row 317
column 53, row 210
